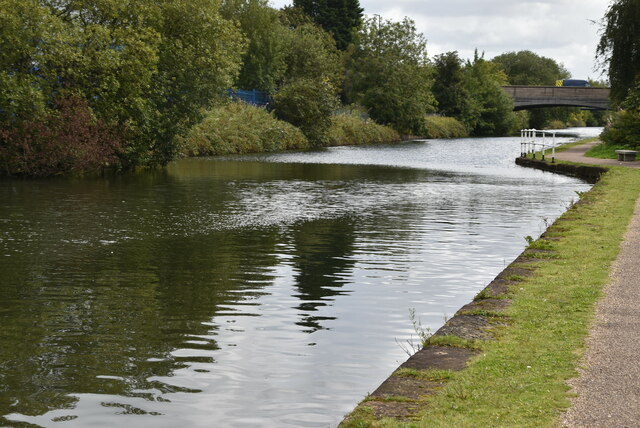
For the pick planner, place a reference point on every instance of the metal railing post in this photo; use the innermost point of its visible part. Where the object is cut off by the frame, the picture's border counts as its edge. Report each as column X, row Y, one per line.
column 553, row 149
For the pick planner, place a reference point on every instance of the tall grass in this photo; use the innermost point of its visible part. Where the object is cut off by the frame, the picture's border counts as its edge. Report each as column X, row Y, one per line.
column 352, row 129
column 444, row 127
column 241, row 128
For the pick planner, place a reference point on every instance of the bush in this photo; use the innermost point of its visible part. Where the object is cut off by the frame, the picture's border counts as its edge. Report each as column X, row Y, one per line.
column 443, row 127
column 69, row 139
column 352, row 129
column 241, row 128
column 307, row 104
column 624, row 129
column 556, row 124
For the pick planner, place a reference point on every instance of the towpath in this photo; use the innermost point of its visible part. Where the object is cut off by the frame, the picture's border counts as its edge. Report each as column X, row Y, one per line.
column 608, row 387
column 576, row 154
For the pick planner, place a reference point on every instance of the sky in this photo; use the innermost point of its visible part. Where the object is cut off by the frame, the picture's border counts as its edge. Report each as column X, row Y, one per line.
column 565, row 30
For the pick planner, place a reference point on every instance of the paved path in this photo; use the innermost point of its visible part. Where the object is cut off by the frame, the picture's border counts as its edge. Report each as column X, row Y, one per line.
column 609, row 384
column 576, row 154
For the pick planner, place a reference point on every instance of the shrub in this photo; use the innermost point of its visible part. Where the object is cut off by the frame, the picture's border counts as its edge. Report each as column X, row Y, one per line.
column 353, row 129
column 556, row 124
column 307, row 104
column 443, row 127
column 69, row 139
column 624, row 129
column 241, row 128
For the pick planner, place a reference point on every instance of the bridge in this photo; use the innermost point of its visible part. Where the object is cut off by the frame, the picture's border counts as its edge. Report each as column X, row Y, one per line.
column 526, row 97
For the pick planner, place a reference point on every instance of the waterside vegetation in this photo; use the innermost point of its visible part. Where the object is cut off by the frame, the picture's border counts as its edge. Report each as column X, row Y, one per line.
column 143, row 74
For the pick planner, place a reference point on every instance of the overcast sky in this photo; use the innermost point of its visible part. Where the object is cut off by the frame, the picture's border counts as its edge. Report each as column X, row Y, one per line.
column 558, row 29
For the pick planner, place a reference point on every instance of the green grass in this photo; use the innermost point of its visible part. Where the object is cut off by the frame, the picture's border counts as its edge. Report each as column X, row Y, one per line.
column 519, row 380
column 605, row 151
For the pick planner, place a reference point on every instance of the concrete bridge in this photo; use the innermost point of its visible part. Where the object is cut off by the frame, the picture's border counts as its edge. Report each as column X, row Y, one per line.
column 526, row 97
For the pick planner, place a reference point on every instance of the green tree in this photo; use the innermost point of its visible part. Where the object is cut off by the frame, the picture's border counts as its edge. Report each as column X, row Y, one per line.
column 449, row 87
column 264, row 63
column 619, row 47
column 341, row 18
column 309, row 105
column 147, row 68
column 390, row 74
column 529, row 68
column 312, row 54
column 492, row 109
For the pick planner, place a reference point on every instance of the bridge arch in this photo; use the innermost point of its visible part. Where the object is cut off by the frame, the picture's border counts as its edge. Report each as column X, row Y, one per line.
column 527, row 97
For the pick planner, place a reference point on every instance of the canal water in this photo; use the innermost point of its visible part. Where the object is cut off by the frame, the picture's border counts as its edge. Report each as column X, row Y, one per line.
column 261, row 290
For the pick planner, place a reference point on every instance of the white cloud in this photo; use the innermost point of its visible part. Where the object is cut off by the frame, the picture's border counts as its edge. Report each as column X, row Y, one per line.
column 559, row 29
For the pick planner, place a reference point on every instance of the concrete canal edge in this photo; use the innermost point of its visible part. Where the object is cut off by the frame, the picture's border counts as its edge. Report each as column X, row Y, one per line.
column 452, row 346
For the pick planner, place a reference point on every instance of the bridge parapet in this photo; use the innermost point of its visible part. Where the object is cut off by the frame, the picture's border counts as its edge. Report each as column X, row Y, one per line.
column 550, row 96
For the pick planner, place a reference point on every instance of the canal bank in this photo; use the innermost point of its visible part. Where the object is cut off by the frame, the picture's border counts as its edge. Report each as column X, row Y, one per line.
column 520, row 340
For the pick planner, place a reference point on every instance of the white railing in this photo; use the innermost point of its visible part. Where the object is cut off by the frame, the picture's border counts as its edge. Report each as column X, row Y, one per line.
column 533, row 140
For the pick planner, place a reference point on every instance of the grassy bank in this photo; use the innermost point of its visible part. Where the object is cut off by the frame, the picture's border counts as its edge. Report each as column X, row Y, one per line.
column 520, row 378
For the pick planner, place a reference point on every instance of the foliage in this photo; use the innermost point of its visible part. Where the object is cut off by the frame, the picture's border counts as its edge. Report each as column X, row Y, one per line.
column 443, row 127
column 619, row 46
column 263, row 64
column 241, row 128
column 144, row 66
column 390, row 75
column 68, row 139
column 312, row 54
column 528, row 68
column 353, row 129
column 341, row 18
column 625, row 129
column 449, row 87
column 492, row 109
column 307, row 104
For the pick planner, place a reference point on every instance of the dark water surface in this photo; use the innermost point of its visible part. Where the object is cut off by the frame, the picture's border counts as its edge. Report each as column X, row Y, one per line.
column 251, row 291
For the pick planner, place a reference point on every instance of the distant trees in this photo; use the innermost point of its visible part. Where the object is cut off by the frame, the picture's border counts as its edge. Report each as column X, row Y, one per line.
column 528, row 68
column 341, row 18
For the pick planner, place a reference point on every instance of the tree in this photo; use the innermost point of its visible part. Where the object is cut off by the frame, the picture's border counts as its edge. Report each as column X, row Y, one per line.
column 263, row 64
column 449, row 87
column 312, row 54
column 492, row 108
column 390, row 74
column 341, row 18
column 619, row 47
column 529, row 68
column 309, row 105
column 147, row 68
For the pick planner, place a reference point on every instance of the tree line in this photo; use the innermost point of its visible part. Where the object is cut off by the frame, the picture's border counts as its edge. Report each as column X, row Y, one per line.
column 89, row 83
